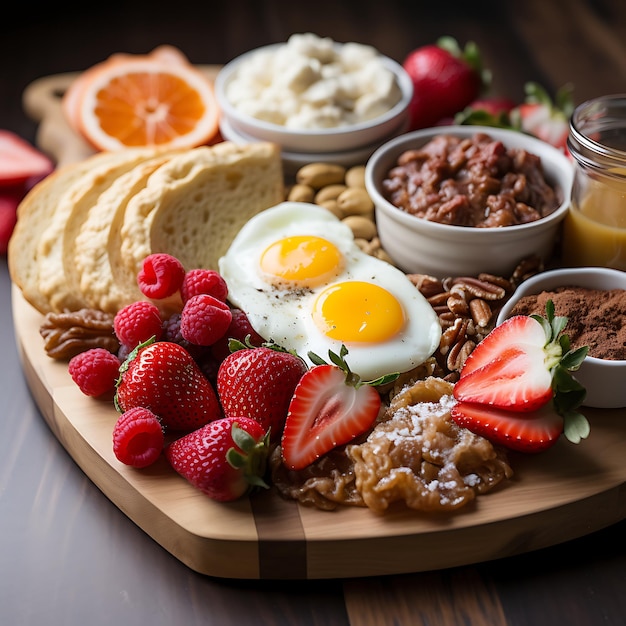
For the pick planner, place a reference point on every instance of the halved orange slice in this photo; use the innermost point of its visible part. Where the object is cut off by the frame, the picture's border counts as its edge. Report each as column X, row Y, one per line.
column 157, row 100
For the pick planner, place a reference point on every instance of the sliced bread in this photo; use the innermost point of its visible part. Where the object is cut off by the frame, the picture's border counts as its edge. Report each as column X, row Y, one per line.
column 73, row 204
column 86, row 261
column 193, row 206
column 34, row 216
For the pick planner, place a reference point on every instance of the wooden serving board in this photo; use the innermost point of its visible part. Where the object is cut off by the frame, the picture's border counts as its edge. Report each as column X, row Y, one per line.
column 564, row 493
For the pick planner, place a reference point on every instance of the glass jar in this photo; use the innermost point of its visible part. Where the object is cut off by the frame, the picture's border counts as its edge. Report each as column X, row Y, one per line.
column 594, row 231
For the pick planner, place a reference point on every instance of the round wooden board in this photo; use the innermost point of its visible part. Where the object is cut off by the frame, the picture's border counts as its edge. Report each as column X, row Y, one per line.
column 567, row 492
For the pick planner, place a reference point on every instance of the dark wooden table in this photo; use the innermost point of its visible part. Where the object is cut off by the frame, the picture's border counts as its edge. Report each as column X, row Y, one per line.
column 68, row 556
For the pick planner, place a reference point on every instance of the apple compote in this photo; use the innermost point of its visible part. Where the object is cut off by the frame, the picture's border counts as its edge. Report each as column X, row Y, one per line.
column 416, row 455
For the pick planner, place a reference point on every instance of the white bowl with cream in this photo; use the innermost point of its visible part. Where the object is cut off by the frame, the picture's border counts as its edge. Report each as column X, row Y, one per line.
column 269, row 106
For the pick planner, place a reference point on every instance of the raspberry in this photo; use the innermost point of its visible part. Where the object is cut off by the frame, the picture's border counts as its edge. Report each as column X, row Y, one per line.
column 203, row 281
column 137, row 322
column 138, row 437
column 239, row 329
column 161, row 276
column 204, row 319
column 171, row 332
column 95, row 371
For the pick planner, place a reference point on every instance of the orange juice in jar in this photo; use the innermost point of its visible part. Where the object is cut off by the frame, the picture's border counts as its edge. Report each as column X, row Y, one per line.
column 594, row 232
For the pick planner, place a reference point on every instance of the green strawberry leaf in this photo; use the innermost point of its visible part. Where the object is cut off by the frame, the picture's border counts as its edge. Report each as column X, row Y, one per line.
column 575, row 427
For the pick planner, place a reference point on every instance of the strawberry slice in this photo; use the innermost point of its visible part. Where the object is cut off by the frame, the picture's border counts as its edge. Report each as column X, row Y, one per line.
column 524, row 432
column 544, row 118
column 330, row 407
column 522, row 371
column 19, row 161
column 511, row 367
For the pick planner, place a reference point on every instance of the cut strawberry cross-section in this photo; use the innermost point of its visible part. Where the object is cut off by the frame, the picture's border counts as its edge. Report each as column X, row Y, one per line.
column 516, row 387
column 330, row 406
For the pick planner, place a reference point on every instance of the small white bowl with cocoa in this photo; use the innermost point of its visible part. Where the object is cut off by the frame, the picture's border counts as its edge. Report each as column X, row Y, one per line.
column 462, row 200
column 594, row 301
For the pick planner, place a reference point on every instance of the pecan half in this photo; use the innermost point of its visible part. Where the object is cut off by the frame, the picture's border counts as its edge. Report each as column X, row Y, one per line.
column 67, row 334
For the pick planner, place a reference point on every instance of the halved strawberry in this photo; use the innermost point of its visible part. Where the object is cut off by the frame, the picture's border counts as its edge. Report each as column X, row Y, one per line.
column 544, row 118
column 19, row 161
column 524, row 432
column 511, row 367
column 330, row 407
column 520, row 371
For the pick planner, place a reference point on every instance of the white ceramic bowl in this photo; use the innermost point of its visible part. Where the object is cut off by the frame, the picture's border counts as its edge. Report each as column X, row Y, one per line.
column 339, row 139
column 418, row 245
column 604, row 379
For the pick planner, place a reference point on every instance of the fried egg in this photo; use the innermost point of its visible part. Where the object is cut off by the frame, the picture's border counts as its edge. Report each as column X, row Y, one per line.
column 304, row 284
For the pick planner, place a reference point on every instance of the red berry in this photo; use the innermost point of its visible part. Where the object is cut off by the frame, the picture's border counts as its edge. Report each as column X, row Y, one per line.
column 199, row 281
column 95, row 371
column 138, row 437
column 137, row 322
column 161, row 276
column 239, row 329
column 163, row 377
column 8, row 218
column 225, row 459
column 204, row 319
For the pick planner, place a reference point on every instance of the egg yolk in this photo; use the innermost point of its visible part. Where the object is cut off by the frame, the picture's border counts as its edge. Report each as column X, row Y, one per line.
column 358, row 311
column 305, row 261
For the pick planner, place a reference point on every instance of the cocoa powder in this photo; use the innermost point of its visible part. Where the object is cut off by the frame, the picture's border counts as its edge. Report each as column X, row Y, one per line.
column 596, row 317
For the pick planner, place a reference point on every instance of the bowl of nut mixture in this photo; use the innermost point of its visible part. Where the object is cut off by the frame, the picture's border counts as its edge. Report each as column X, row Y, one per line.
column 313, row 95
column 465, row 200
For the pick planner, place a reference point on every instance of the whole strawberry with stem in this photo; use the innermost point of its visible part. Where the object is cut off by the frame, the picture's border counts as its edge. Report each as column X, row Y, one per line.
column 259, row 383
column 225, row 459
column 516, row 387
column 446, row 79
column 330, row 406
column 163, row 377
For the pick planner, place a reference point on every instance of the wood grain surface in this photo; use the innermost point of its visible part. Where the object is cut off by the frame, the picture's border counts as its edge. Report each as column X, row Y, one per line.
column 557, row 496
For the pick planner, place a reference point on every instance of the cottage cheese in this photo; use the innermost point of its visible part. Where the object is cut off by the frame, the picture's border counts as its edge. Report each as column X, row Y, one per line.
column 314, row 83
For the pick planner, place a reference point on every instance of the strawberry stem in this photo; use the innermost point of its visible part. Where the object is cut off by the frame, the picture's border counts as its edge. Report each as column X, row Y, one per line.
column 569, row 394
column 251, row 457
column 352, row 379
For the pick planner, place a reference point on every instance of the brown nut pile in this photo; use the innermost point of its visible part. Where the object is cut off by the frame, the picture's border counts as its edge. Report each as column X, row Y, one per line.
column 342, row 191
column 467, row 308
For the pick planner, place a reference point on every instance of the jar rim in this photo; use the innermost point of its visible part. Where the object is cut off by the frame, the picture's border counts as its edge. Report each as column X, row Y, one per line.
column 592, row 117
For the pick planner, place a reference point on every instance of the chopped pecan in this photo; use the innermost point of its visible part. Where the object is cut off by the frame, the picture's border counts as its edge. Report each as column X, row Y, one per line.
column 67, row 334
column 428, row 285
column 458, row 355
column 480, row 311
column 478, row 288
column 526, row 268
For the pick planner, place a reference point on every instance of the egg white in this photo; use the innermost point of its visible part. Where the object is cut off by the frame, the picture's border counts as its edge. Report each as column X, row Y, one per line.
column 283, row 315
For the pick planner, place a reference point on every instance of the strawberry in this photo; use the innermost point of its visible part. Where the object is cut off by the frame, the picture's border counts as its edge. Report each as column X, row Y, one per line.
column 493, row 112
column 517, row 383
column 546, row 119
column 525, row 432
column 259, row 383
column 163, row 377
column 9, row 202
column 225, row 459
column 330, row 407
column 445, row 80
column 19, row 161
